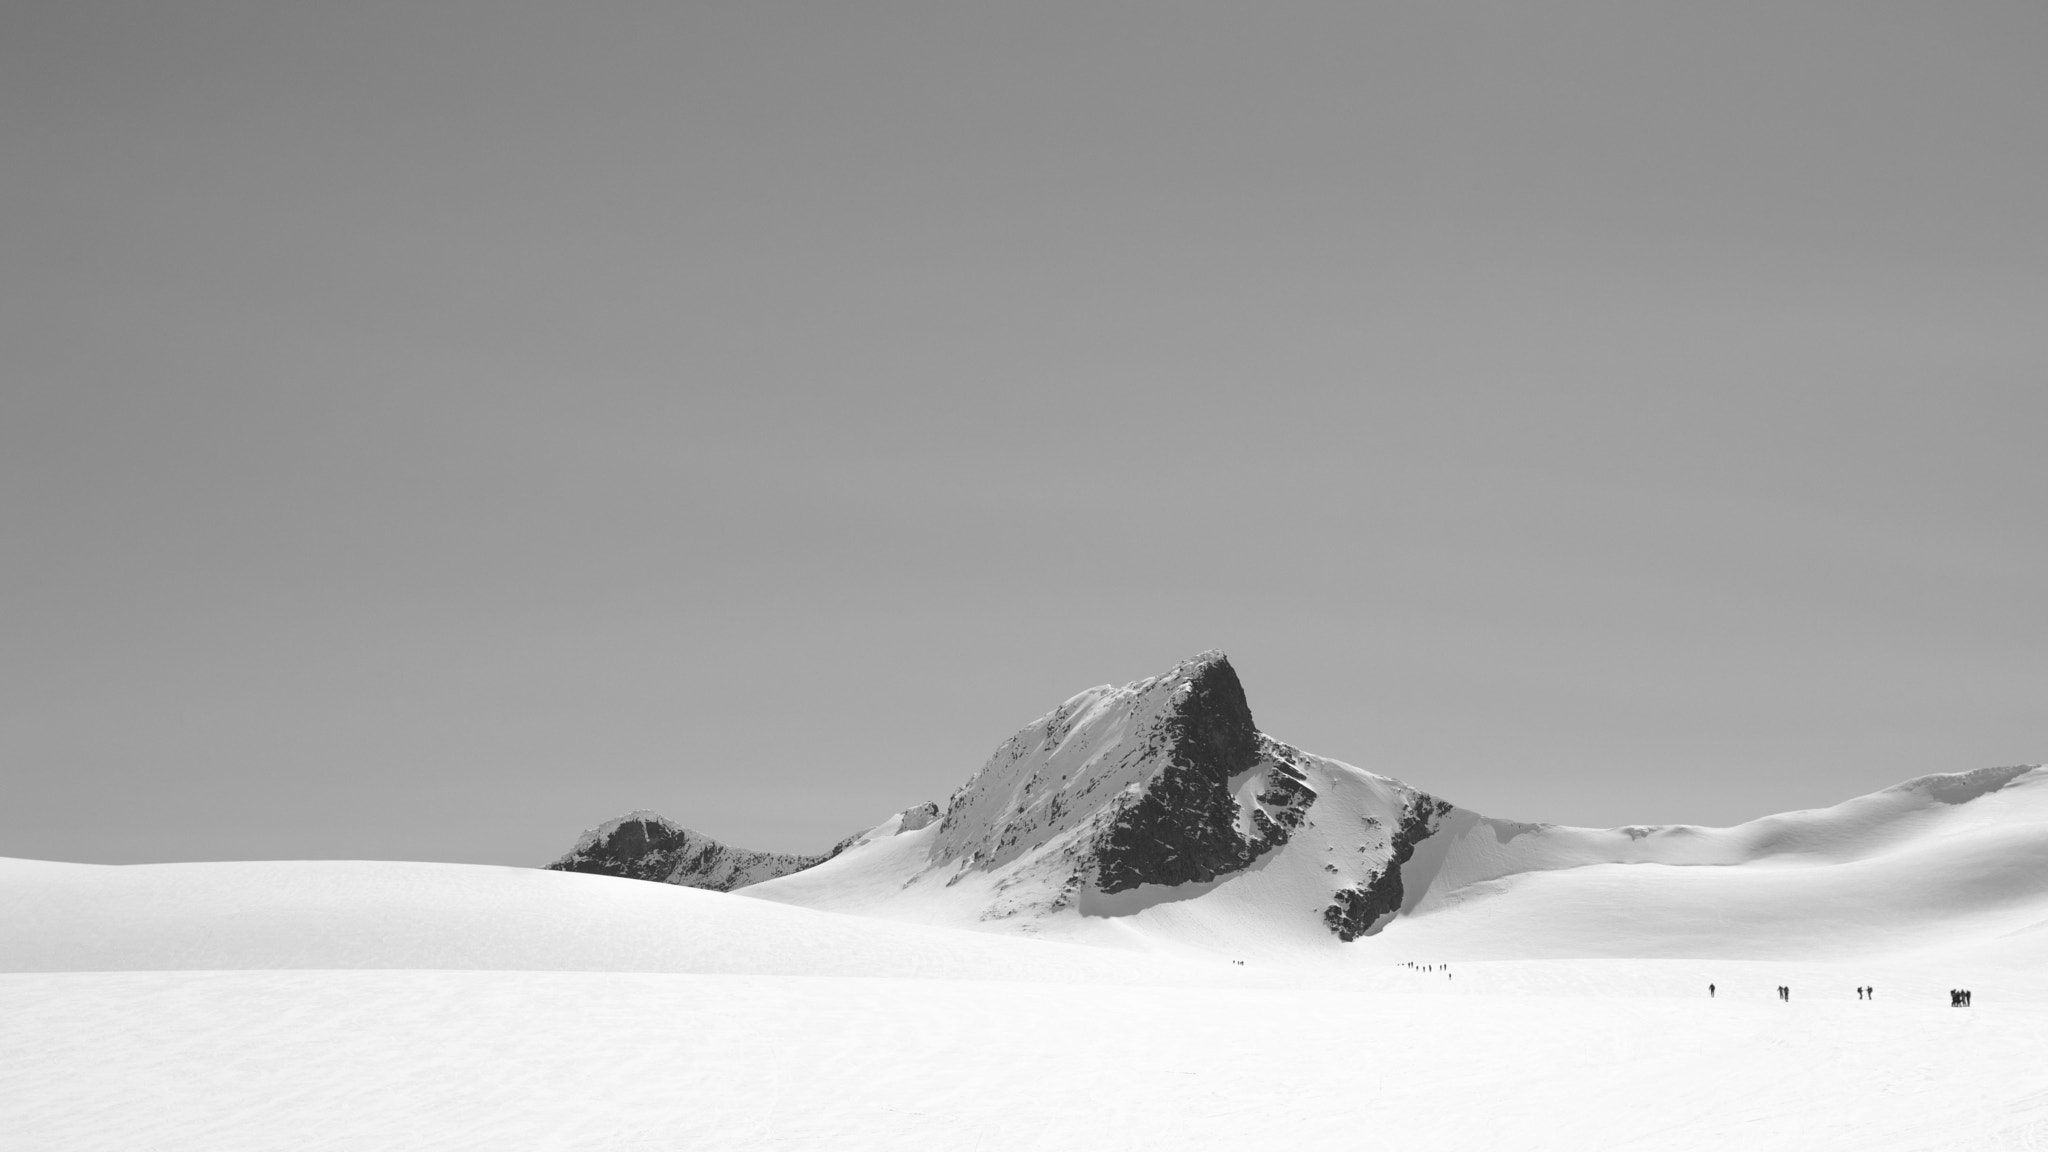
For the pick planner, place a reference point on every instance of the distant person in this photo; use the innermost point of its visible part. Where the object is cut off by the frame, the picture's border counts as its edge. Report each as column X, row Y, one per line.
column 1710, row 991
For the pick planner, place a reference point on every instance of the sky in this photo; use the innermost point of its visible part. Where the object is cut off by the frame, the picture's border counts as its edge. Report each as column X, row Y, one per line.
column 430, row 429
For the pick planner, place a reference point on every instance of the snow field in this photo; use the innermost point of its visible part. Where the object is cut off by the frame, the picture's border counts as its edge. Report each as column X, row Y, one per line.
column 350, row 1005
column 379, row 1060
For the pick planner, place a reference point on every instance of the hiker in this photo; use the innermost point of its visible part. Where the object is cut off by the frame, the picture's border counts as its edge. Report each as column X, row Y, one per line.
column 1710, row 991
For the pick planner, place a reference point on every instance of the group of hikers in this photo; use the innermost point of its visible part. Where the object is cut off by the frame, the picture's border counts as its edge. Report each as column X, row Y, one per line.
column 1957, row 997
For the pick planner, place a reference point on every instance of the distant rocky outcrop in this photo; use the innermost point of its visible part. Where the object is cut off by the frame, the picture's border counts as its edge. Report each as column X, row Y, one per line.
column 645, row 845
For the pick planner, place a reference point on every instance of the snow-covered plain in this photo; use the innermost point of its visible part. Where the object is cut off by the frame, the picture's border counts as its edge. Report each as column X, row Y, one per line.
column 339, row 1005
column 1143, row 924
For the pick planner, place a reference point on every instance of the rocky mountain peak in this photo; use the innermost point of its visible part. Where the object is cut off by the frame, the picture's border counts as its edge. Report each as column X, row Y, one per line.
column 1211, row 723
column 1165, row 783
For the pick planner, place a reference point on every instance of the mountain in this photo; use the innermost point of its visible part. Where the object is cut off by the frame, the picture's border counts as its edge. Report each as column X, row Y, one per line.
column 1162, row 791
column 1158, row 815
column 1118, row 797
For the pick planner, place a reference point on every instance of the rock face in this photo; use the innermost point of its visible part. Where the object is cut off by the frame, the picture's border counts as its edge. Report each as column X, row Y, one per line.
column 1183, row 827
column 1361, row 910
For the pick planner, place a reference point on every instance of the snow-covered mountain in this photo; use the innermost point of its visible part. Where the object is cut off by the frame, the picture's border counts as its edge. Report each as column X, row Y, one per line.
column 1157, row 814
column 1119, row 799
column 1116, row 798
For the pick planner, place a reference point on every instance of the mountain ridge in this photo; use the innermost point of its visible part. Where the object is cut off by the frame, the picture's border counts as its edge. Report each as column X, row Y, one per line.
column 1159, row 807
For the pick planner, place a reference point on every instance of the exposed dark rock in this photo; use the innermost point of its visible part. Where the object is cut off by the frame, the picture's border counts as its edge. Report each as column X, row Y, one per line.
column 1357, row 911
column 1182, row 828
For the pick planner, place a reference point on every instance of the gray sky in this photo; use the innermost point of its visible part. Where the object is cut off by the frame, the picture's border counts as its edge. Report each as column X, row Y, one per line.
column 427, row 430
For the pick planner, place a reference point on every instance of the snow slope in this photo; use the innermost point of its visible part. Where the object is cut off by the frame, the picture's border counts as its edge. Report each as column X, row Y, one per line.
column 1938, row 863
column 388, row 914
